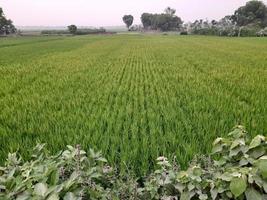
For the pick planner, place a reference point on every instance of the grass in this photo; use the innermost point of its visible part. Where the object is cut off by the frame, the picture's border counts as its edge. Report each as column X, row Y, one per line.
column 135, row 97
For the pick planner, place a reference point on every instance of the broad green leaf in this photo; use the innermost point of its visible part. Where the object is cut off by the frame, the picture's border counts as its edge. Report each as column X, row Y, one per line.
column 24, row 196
column 217, row 148
column 229, row 195
column 238, row 132
column 243, row 162
column 256, row 141
column 190, row 186
column 263, row 168
column 226, row 176
column 203, row 197
column 185, row 196
column 214, row 193
column 252, row 194
column 40, row 189
column 237, row 142
column 220, row 162
column 257, row 152
column 217, row 141
column 265, row 186
column 238, row 186
column 53, row 197
column 180, row 187
column 235, row 151
column 197, row 171
column 71, row 148
column 70, row 196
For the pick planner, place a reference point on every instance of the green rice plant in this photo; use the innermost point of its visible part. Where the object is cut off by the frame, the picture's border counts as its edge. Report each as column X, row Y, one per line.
column 135, row 97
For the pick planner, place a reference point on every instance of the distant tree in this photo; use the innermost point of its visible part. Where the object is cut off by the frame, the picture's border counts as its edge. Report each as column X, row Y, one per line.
column 166, row 21
column 6, row 25
column 214, row 22
column 254, row 12
column 128, row 20
column 146, row 20
column 170, row 11
column 72, row 29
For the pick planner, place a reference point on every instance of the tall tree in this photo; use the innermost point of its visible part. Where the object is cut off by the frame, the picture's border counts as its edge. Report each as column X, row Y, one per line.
column 146, row 19
column 253, row 13
column 72, row 29
column 128, row 20
column 6, row 25
column 166, row 21
column 170, row 11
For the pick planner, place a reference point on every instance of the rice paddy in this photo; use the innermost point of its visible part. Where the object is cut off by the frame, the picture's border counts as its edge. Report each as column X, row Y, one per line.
column 134, row 97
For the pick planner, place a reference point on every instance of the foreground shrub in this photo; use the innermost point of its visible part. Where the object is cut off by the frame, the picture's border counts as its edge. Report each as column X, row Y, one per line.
column 236, row 169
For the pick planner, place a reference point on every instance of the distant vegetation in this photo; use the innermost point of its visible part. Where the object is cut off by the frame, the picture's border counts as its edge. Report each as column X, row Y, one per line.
column 166, row 21
column 248, row 20
column 6, row 25
column 128, row 20
column 73, row 30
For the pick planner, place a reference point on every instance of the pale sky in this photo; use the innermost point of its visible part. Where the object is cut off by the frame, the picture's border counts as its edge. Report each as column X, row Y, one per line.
column 109, row 12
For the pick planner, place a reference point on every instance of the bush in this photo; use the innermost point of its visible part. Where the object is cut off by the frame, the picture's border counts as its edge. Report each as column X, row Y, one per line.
column 236, row 169
column 55, row 32
column 249, row 31
column 90, row 31
column 85, row 31
column 184, row 33
column 262, row 33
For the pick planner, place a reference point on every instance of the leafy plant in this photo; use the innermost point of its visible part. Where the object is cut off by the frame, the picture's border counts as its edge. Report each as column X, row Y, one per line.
column 237, row 169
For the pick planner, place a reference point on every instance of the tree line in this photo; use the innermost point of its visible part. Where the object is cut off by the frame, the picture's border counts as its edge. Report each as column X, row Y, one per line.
column 247, row 20
column 166, row 21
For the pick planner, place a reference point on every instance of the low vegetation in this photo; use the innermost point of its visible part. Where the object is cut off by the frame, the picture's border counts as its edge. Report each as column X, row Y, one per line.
column 248, row 20
column 73, row 30
column 236, row 169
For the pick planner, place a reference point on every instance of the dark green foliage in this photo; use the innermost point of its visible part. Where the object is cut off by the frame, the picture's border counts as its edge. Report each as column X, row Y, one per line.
column 55, row 32
column 254, row 12
column 248, row 20
column 184, row 33
column 223, row 27
column 6, row 25
column 128, row 20
column 84, row 31
column 249, row 31
column 237, row 169
column 72, row 29
column 262, row 32
column 165, row 22
column 90, row 31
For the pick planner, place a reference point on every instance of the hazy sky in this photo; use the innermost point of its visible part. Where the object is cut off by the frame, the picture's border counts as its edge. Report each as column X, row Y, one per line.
column 109, row 12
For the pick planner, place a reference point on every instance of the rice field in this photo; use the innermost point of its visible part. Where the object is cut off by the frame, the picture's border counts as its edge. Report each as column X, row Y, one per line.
column 134, row 97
